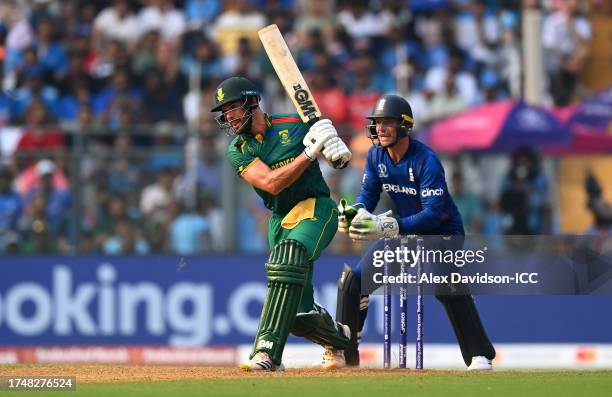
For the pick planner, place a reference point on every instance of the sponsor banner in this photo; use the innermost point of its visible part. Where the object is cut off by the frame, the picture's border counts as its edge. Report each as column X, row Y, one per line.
column 448, row 356
column 437, row 356
column 142, row 355
column 147, row 300
column 196, row 302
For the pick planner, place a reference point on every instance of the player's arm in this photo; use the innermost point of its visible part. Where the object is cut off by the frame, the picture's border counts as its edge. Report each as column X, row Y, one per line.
column 367, row 226
column 258, row 174
column 433, row 197
column 275, row 181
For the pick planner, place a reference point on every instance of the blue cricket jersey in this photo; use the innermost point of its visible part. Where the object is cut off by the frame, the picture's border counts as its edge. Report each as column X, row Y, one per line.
column 416, row 185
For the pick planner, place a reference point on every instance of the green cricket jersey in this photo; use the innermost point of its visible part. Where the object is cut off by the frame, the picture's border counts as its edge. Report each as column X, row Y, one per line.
column 279, row 146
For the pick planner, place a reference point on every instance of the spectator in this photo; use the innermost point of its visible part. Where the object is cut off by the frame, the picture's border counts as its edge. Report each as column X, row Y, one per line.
column 209, row 172
column 314, row 15
column 76, row 76
column 360, row 22
column 363, row 92
column 117, row 97
column 510, row 62
column 34, row 89
column 189, row 231
column 103, row 63
column 469, row 206
column 143, row 59
column 125, row 240
column 116, row 23
column 123, row 177
column 167, row 153
column 45, row 224
column 31, row 178
column 37, row 234
column 51, row 53
column 161, row 102
column 168, row 63
column 239, row 19
column 162, row 16
column 465, row 83
column 38, row 135
column 28, row 65
column 156, row 196
column 524, row 196
column 565, row 36
column 70, row 106
column 243, row 62
column 6, row 109
column 447, row 102
column 601, row 210
column 329, row 96
column 200, row 13
column 11, row 207
column 114, row 211
column 477, row 28
column 58, row 200
column 205, row 59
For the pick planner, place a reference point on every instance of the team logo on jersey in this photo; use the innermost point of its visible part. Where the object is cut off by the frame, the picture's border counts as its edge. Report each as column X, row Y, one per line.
column 382, row 171
column 220, row 95
column 411, row 174
column 284, row 136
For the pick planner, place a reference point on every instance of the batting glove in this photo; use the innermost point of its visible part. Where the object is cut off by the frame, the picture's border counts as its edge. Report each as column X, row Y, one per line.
column 337, row 153
column 367, row 226
column 315, row 138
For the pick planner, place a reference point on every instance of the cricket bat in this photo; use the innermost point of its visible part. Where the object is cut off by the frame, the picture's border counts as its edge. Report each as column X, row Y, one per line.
column 289, row 74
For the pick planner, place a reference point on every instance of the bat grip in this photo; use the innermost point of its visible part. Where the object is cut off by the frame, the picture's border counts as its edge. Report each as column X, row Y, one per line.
column 312, row 121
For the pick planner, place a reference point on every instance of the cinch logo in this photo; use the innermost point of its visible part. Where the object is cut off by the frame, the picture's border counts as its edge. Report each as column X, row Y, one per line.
column 432, row 192
column 387, row 187
column 303, row 99
column 265, row 344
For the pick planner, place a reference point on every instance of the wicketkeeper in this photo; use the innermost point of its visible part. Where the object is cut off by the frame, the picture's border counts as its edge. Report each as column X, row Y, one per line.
column 413, row 177
column 277, row 154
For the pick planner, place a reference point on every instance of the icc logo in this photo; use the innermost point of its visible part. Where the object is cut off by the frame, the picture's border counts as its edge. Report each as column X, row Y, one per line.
column 382, row 171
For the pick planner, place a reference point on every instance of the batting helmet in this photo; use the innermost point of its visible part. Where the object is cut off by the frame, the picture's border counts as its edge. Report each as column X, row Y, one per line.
column 236, row 89
column 233, row 89
column 393, row 106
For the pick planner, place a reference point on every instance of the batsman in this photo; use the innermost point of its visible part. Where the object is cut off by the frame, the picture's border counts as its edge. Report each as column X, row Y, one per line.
column 277, row 155
column 413, row 177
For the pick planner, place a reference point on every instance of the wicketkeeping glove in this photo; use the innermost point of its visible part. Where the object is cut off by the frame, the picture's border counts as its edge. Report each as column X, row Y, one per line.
column 315, row 138
column 367, row 226
column 346, row 213
column 337, row 153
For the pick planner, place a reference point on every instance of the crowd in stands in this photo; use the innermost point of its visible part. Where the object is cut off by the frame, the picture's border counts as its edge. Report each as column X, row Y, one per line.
column 101, row 103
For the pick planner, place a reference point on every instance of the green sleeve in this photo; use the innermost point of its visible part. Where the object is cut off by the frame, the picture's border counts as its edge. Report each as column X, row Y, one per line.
column 241, row 155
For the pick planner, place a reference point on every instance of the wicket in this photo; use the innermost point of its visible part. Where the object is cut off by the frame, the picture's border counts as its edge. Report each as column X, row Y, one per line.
column 403, row 309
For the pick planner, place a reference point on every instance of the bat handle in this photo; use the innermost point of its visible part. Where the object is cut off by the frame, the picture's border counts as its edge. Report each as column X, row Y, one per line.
column 338, row 163
column 312, row 121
